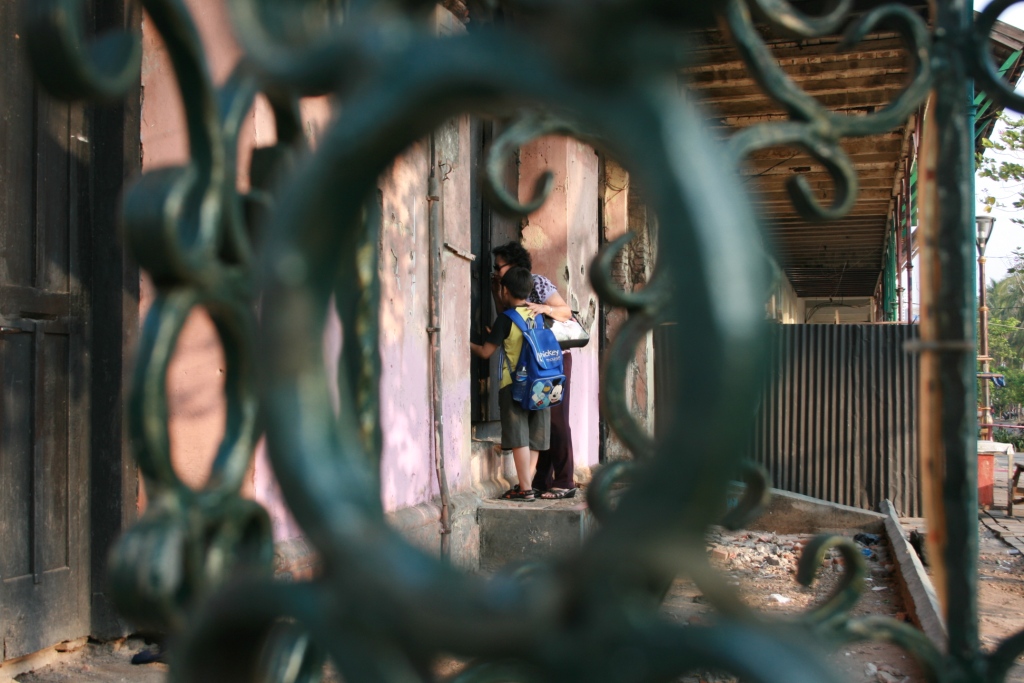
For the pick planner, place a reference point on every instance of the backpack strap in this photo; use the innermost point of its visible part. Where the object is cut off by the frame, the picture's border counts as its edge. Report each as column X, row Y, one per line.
column 537, row 322
column 503, row 359
column 524, row 327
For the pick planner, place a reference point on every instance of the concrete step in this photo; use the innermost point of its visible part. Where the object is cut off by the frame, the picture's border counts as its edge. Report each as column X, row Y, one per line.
column 524, row 532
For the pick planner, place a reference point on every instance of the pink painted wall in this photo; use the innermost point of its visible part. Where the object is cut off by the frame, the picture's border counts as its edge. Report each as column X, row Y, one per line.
column 196, row 376
column 407, row 468
column 195, row 380
column 563, row 238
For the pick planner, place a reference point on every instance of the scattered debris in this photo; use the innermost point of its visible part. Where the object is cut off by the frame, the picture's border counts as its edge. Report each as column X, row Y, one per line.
column 867, row 539
column 917, row 542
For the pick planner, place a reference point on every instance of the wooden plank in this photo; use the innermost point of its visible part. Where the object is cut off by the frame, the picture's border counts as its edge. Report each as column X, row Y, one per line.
column 16, row 445
column 807, row 77
column 721, row 95
column 868, row 99
column 52, row 196
column 17, row 130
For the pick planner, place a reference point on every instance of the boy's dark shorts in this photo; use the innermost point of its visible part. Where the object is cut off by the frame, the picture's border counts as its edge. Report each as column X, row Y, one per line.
column 521, row 427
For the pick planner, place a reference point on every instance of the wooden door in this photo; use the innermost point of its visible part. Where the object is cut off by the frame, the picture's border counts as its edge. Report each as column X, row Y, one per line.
column 44, row 562
column 490, row 229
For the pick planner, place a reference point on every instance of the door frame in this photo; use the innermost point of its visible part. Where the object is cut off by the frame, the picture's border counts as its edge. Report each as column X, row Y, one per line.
column 113, row 325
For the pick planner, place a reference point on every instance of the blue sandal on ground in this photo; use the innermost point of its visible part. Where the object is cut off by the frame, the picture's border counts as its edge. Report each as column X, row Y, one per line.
column 515, row 494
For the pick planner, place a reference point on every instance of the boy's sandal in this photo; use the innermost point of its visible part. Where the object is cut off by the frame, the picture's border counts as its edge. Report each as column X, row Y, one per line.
column 558, row 494
column 515, row 494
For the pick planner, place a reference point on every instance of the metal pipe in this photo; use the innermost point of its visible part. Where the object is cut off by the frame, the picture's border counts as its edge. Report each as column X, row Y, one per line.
column 953, row 531
column 910, row 243
column 434, row 333
column 986, row 403
column 898, row 226
column 948, row 363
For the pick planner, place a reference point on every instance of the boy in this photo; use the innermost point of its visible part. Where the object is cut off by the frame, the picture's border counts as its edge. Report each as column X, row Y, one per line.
column 524, row 432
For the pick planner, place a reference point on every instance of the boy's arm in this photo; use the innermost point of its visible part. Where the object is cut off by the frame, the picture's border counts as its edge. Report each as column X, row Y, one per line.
column 485, row 350
column 495, row 337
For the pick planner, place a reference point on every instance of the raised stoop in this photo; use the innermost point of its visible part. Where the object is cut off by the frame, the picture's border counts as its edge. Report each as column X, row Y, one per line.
column 516, row 532
column 491, row 474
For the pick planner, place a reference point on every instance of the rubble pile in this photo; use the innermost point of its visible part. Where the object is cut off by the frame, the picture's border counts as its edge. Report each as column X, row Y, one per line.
column 745, row 554
column 762, row 567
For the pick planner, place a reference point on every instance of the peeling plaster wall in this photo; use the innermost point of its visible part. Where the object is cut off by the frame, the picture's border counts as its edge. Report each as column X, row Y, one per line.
column 407, row 467
column 562, row 237
column 624, row 211
column 454, row 150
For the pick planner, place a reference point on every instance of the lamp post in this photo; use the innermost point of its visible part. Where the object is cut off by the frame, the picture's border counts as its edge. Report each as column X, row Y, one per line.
column 985, row 223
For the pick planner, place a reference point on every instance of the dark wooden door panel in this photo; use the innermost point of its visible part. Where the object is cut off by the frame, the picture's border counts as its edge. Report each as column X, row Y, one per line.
column 43, row 618
column 44, row 567
column 42, row 571
column 53, row 196
column 15, row 454
column 17, row 153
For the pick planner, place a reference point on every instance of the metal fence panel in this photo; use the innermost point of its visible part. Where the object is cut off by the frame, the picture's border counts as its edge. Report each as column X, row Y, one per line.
column 838, row 415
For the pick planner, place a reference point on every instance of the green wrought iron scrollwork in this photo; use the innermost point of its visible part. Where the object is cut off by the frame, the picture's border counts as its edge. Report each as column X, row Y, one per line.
column 198, row 561
column 811, row 126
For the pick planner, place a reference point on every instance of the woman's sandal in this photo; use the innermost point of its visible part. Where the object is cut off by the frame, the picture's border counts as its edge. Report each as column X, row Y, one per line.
column 558, row 494
column 515, row 494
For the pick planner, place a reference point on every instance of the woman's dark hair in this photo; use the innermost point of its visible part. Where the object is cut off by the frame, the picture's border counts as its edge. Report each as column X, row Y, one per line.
column 518, row 281
column 514, row 254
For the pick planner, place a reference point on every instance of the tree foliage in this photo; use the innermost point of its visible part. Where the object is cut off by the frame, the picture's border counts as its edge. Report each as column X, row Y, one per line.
column 1005, row 347
column 1002, row 163
column 1001, row 185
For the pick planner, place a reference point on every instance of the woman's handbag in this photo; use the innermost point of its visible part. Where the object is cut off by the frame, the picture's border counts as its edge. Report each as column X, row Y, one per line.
column 570, row 334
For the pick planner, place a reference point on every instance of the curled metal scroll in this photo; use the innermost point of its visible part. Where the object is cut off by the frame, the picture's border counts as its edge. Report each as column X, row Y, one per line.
column 783, row 15
column 72, row 68
column 322, row 467
column 753, row 501
column 982, row 66
column 525, row 129
column 190, row 228
column 812, row 127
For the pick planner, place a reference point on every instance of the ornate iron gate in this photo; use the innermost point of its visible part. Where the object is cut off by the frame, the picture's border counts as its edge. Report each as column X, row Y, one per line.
column 198, row 560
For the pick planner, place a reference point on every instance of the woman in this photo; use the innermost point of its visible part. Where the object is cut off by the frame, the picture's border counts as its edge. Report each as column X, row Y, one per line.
column 555, row 467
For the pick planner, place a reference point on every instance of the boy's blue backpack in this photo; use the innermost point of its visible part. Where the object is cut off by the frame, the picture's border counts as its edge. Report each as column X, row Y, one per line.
column 538, row 381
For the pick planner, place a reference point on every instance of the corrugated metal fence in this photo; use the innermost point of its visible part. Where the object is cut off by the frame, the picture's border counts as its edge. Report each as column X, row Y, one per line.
column 839, row 413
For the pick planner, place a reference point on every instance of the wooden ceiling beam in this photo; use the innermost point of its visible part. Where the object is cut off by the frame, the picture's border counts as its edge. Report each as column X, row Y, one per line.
column 875, row 96
column 787, row 52
column 804, row 74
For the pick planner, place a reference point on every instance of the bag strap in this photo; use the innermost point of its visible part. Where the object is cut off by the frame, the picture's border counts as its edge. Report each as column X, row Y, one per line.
column 521, row 323
column 517, row 319
column 503, row 359
column 536, row 324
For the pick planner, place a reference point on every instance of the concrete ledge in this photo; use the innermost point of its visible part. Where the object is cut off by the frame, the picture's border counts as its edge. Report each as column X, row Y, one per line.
column 918, row 593
column 492, row 473
column 793, row 513
column 514, row 532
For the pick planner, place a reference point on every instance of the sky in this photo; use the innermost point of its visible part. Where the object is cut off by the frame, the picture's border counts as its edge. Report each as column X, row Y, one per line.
column 1006, row 236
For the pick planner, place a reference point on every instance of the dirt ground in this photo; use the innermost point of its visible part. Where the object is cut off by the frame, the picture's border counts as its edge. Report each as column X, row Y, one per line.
column 1000, row 594
column 762, row 568
column 100, row 663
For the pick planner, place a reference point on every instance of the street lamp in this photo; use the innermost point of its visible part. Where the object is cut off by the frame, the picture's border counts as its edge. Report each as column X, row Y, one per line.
column 985, row 223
